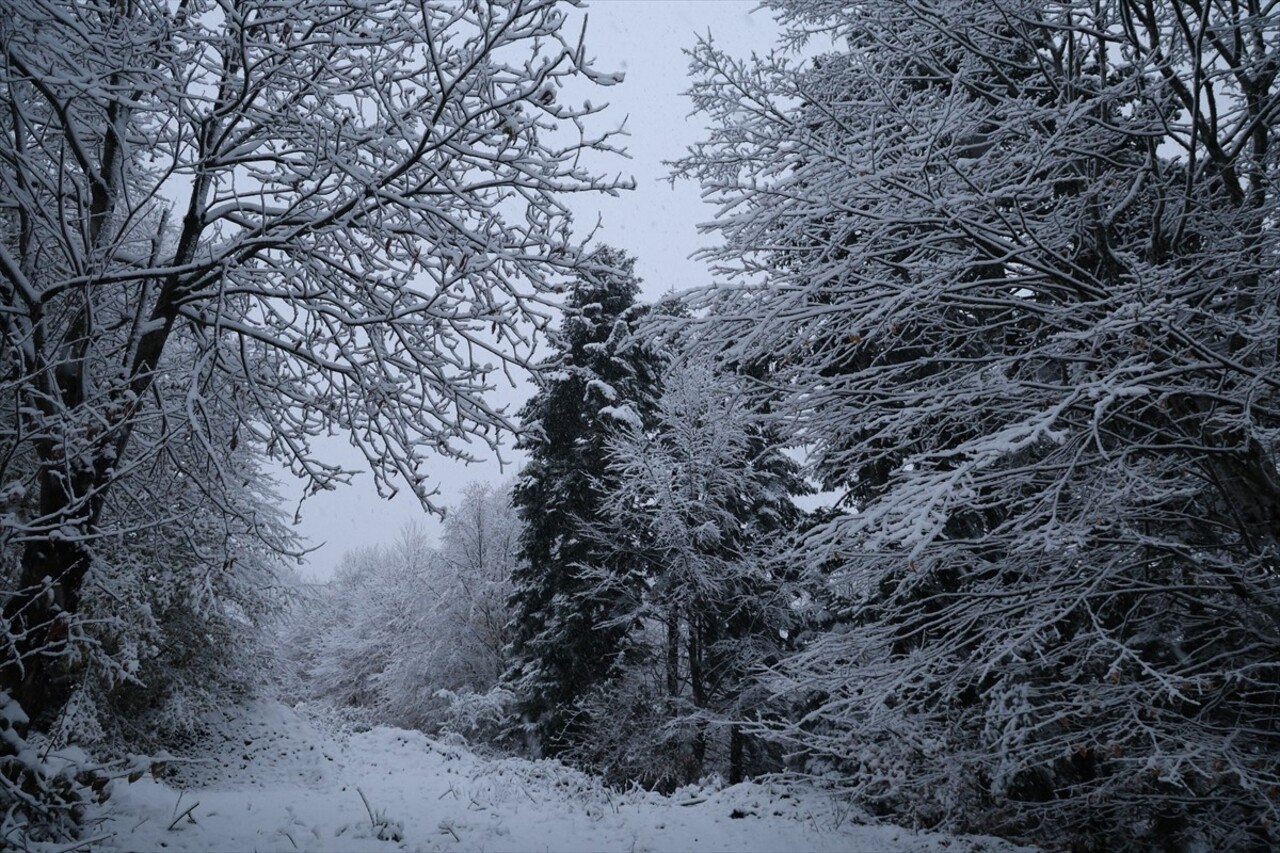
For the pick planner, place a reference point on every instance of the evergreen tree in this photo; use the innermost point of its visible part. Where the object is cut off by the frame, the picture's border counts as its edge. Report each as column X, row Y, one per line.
column 566, row 639
column 703, row 499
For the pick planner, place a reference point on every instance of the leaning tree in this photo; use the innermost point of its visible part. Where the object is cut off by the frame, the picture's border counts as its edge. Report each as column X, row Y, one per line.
column 351, row 213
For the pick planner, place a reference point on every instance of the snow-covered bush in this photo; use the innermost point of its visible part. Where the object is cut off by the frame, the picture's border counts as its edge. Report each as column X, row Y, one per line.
column 343, row 634
column 478, row 718
column 634, row 732
column 187, row 611
column 39, row 802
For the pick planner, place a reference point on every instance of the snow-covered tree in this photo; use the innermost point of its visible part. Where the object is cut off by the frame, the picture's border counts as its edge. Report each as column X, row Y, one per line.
column 411, row 634
column 565, row 641
column 479, row 544
column 702, row 498
column 180, row 615
column 351, row 209
column 1011, row 266
column 350, row 632
column 455, row 650
column 176, row 611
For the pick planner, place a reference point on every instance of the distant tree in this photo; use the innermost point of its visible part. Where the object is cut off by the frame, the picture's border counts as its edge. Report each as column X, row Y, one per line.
column 371, row 613
column 455, row 648
column 479, row 542
column 411, row 630
column 1011, row 268
column 352, row 212
column 564, row 640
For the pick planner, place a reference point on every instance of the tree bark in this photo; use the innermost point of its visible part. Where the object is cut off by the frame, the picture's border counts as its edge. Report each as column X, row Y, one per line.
column 736, row 769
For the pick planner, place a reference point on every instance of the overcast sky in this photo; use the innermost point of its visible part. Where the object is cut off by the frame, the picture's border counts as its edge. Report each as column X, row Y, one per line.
column 656, row 222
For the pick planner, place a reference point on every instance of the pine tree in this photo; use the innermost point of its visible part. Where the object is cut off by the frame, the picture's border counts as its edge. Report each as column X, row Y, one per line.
column 702, row 498
column 565, row 639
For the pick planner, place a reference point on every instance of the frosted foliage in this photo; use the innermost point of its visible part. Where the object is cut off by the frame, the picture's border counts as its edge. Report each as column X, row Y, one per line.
column 459, row 633
column 687, row 478
column 343, row 216
column 414, row 634
column 701, row 498
column 1010, row 270
column 564, row 637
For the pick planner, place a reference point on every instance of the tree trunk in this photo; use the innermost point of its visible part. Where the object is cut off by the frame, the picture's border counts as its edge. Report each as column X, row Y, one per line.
column 673, row 651
column 736, row 770
column 38, row 619
column 698, row 688
column 38, row 616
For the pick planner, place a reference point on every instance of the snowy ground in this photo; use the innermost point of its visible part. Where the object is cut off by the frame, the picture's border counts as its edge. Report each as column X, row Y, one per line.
column 273, row 780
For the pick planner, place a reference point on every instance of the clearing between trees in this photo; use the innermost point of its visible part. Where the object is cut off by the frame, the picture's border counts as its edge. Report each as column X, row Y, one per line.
column 275, row 778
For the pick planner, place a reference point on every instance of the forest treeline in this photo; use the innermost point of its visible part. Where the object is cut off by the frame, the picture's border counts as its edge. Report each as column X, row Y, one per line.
column 998, row 278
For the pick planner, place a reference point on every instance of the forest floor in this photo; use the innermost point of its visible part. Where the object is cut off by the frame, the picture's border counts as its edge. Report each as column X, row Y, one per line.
column 270, row 778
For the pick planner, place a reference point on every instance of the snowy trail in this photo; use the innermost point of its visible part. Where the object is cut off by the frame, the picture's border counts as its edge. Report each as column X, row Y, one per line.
column 274, row 781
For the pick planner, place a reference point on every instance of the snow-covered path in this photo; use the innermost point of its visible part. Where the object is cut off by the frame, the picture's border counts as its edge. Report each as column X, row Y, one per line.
column 274, row 781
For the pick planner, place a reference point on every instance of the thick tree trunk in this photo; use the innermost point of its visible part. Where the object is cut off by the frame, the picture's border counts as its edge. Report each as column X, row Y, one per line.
column 38, row 616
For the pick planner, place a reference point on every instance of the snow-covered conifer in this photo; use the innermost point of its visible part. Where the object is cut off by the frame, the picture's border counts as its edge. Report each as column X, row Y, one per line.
column 565, row 640
column 702, row 497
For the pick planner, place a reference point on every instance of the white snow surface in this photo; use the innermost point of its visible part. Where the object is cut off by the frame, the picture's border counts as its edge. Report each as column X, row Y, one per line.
column 272, row 779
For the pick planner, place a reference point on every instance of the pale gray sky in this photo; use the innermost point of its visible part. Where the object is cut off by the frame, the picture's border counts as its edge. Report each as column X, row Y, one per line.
column 656, row 222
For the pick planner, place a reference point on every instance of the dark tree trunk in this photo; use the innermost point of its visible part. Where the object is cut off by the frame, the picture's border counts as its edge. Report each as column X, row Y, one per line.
column 698, row 689
column 736, row 769
column 38, row 617
column 39, row 614
column 673, row 651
